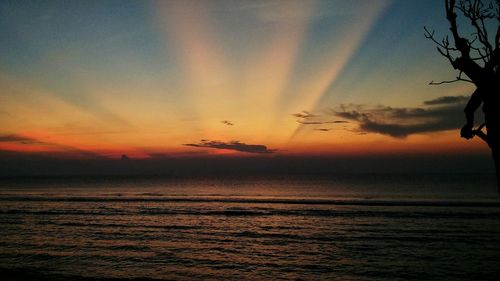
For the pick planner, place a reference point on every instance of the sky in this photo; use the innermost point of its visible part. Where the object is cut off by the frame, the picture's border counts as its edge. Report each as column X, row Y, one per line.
column 153, row 79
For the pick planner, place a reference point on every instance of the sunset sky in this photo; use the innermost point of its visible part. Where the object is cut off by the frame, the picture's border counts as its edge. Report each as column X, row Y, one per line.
column 182, row 78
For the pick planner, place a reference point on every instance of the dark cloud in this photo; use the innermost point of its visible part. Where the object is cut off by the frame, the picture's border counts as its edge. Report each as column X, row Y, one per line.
column 226, row 122
column 19, row 139
column 62, row 149
column 307, row 118
column 399, row 122
column 323, row 129
column 233, row 145
column 321, row 122
column 446, row 100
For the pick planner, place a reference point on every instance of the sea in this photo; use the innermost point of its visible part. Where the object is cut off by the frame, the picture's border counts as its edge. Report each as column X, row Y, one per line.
column 341, row 227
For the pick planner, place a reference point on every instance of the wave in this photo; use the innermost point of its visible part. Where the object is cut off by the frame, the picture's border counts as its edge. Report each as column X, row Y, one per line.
column 32, row 274
column 254, row 200
column 373, row 213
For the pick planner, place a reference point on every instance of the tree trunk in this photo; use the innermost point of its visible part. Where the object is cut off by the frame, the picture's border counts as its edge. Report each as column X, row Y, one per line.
column 496, row 160
column 492, row 118
column 493, row 141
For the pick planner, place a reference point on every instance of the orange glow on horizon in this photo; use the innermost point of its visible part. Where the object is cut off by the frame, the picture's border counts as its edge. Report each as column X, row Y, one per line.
column 161, row 89
column 447, row 143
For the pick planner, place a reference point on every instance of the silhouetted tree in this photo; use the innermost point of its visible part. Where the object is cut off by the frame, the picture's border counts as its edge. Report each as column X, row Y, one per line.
column 476, row 56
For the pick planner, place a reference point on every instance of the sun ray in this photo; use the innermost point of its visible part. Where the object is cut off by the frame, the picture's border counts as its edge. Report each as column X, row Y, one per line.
column 188, row 25
column 316, row 86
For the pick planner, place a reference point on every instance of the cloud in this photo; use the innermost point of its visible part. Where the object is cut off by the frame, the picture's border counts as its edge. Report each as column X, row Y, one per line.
column 233, row 145
column 59, row 148
column 447, row 100
column 19, row 139
column 308, row 118
column 226, row 122
column 441, row 114
column 304, row 114
column 322, row 122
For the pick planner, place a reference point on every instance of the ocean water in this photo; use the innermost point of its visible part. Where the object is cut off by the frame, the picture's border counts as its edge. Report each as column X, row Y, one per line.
column 345, row 227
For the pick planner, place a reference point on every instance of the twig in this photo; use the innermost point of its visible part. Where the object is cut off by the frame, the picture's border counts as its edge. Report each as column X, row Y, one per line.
column 459, row 78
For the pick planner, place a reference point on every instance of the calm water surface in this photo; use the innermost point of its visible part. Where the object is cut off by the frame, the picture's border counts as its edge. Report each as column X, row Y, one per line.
column 358, row 227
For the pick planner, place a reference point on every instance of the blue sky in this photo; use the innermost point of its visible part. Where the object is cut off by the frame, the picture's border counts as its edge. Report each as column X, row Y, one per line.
column 150, row 76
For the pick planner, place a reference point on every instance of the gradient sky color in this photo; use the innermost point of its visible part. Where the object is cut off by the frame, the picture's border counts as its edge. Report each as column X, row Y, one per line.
column 152, row 78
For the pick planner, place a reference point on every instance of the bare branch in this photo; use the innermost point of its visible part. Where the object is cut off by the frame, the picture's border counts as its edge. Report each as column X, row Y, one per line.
column 460, row 43
column 477, row 13
column 445, row 44
column 459, row 78
column 449, row 82
column 479, row 133
column 443, row 47
column 497, row 36
column 446, row 55
column 482, row 34
column 464, row 62
column 475, row 56
column 496, row 11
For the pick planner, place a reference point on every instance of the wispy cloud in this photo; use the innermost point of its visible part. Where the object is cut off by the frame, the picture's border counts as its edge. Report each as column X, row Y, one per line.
column 19, row 139
column 446, row 100
column 322, row 122
column 233, row 145
column 55, row 147
column 444, row 113
column 308, row 118
column 304, row 114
